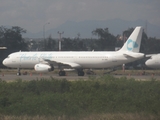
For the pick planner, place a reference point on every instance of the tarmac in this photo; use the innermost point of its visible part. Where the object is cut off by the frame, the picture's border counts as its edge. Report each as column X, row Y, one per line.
column 11, row 77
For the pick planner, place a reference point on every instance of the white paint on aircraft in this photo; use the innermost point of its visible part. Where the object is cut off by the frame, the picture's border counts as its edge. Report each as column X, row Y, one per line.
column 154, row 61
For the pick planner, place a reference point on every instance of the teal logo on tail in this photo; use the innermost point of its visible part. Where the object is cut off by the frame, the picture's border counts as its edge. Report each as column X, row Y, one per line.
column 131, row 45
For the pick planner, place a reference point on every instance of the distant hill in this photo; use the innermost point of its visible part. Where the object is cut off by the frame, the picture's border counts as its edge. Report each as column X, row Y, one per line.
column 116, row 26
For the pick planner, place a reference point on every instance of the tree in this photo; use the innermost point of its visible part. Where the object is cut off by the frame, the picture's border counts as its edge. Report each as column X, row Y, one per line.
column 50, row 44
column 67, row 44
column 12, row 38
column 106, row 40
column 152, row 46
column 73, row 45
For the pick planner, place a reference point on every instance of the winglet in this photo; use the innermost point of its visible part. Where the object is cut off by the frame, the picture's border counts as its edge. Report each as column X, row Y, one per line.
column 133, row 43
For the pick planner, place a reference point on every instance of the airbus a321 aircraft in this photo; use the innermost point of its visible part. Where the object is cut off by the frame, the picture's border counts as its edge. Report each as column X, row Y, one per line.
column 47, row 61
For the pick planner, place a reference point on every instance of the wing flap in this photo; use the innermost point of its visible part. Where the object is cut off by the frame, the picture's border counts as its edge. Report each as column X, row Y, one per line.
column 61, row 63
column 150, row 55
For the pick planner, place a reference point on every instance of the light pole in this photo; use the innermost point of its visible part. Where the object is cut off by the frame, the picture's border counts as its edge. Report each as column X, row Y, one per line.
column 60, row 33
column 44, row 35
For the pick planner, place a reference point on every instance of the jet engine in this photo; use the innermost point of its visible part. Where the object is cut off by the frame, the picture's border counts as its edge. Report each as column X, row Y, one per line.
column 43, row 68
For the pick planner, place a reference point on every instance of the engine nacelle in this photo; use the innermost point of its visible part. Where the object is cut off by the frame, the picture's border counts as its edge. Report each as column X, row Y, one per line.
column 43, row 68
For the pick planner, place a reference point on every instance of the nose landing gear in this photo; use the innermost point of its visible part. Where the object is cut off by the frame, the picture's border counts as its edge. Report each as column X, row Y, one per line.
column 19, row 72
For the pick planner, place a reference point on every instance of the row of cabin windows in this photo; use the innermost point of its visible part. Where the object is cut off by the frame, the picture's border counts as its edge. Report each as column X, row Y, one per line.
column 82, row 57
column 93, row 57
column 71, row 57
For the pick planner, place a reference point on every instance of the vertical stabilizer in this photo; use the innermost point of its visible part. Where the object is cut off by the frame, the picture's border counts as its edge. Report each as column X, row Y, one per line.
column 133, row 43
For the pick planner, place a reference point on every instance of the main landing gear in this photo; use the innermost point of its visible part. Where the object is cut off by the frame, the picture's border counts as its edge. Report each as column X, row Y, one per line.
column 18, row 73
column 80, row 72
column 62, row 73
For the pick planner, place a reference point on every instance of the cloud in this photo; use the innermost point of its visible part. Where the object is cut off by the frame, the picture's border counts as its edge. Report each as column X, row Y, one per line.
column 33, row 14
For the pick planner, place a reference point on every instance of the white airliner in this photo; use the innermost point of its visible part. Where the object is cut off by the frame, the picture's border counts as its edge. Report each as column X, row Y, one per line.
column 154, row 61
column 47, row 61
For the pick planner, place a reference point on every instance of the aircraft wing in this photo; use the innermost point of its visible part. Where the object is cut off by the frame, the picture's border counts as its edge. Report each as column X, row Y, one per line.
column 61, row 63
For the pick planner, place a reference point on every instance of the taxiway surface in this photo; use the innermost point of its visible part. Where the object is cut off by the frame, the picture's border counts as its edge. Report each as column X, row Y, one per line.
column 11, row 77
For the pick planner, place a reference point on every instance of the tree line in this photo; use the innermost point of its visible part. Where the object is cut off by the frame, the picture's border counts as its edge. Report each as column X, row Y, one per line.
column 13, row 40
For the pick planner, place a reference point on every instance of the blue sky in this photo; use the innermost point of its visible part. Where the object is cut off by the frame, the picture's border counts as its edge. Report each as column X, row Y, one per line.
column 32, row 15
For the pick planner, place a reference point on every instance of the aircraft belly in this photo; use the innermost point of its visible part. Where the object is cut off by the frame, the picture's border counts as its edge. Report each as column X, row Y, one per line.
column 28, row 66
column 94, row 64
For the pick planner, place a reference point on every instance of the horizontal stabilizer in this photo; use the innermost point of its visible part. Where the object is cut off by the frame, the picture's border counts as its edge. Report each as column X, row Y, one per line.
column 128, row 55
column 150, row 55
column 133, row 55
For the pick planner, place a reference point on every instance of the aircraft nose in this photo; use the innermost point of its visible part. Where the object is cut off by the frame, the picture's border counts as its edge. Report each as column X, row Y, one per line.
column 4, row 62
column 149, row 63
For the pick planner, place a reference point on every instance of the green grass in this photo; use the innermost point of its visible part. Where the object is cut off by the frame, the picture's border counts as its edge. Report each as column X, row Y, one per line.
column 96, row 96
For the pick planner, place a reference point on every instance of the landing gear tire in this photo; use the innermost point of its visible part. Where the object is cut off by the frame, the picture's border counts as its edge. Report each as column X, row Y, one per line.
column 62, row 73
column 18, row 74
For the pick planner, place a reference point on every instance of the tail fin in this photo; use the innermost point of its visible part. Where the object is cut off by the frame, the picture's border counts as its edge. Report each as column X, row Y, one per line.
column 133, row 43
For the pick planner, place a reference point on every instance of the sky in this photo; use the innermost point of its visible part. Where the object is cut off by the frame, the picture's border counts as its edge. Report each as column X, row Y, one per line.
column 33, row 15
